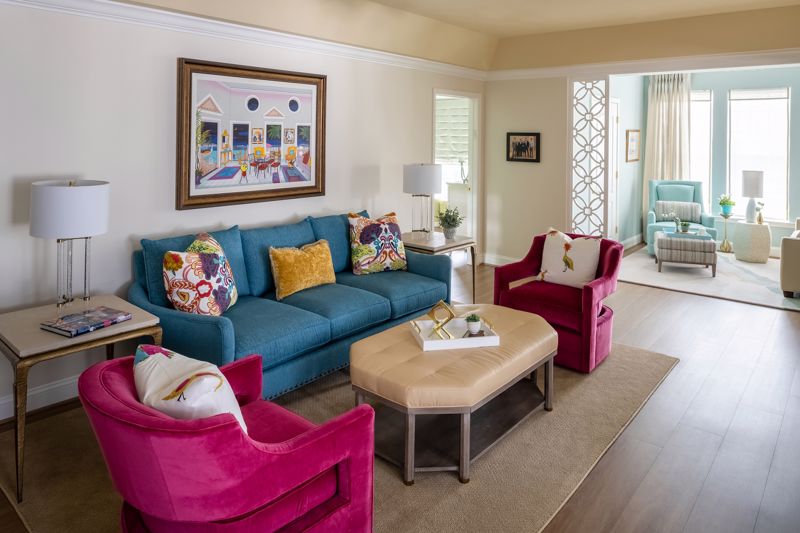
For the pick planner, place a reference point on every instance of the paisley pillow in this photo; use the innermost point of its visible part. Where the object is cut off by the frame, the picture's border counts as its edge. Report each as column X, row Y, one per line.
column 376, row 245
column 200, row 280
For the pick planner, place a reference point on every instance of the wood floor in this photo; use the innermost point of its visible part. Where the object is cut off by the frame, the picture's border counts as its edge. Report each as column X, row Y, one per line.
column 717, row 447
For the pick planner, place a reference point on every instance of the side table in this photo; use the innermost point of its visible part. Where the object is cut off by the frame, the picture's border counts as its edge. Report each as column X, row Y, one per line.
column 435, row 244
column 24, row 344
column 753, row 242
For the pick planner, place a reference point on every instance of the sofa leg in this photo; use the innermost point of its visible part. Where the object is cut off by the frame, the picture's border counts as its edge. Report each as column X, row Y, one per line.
column 788, row 294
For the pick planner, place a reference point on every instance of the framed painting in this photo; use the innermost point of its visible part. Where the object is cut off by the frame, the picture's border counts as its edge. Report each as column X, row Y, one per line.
column 524, row 147
column 236, row 134
column 632, row 142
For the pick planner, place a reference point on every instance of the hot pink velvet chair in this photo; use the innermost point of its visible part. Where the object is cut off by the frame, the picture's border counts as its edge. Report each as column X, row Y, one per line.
column 582, row 321
column 207, row 475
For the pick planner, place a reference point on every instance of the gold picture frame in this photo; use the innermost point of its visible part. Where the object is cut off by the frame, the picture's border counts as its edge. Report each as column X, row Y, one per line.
column 632, row 145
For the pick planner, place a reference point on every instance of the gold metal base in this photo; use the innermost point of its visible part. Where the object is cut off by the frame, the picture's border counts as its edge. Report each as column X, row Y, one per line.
column 726, row 247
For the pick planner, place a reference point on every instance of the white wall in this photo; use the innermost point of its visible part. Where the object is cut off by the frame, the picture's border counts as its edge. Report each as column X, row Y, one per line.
column 95, row 98
column 524, row 199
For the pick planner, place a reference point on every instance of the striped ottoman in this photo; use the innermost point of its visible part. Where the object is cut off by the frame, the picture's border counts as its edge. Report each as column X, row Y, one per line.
column 693, row 251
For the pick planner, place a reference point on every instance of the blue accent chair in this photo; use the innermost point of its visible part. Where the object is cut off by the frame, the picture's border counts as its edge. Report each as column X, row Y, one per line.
column 675, row 191
column 305, row 335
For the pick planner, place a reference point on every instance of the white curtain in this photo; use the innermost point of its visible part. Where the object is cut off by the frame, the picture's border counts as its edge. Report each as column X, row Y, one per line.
column 666, row 155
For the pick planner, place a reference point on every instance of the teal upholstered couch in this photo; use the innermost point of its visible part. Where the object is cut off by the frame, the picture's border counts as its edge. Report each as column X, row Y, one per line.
column 675, row 191
column 306, row 335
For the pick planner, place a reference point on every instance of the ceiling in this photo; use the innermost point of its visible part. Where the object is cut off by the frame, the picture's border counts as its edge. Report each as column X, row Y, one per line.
column 507, row 18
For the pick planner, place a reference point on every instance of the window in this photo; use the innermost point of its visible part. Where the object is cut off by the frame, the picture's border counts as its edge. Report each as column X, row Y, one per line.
column 700, row 141
column 758, row 139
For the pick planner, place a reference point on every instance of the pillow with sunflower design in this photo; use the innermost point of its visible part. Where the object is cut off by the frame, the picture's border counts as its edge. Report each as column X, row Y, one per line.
column 569, row 261
column 200, row 280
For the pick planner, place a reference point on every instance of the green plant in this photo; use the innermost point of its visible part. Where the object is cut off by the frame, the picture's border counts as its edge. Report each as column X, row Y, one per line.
column 449, row 218
column 725, row 199
column 473, row 318
column 685, row 225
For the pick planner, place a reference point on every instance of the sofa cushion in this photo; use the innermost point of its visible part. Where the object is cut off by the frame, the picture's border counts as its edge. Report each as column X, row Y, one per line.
column 405, row 291
column 256, row 243
column 153, row 251
column 349, row 309
column 686, row 211
column 336, row 230
column 277, row 331
column 675, row 193
column 297, row 269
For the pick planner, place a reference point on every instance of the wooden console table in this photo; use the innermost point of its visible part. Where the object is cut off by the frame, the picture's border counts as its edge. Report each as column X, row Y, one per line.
column 24, row 344
column 436, row 244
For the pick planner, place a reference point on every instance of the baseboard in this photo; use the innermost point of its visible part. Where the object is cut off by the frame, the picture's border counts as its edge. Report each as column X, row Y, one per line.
column 498, row 260
column 42, row 396
column 632, row 241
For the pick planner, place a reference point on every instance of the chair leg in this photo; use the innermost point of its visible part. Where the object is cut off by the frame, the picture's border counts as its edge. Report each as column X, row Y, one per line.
column 659, row 264
column 714, row 271
column 788, row 294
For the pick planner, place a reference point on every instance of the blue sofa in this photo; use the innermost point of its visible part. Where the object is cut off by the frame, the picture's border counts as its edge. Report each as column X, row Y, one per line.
column 675, row 191
column 307, row 334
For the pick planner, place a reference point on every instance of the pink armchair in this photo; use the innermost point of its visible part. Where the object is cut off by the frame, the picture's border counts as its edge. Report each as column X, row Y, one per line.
column 207, row 475
column 582, row 321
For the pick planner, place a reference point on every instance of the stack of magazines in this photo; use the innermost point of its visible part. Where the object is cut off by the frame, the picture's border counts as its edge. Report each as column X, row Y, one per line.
column 86, row 321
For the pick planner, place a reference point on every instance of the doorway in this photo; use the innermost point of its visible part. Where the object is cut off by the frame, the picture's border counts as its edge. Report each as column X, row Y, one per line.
column 613, row 168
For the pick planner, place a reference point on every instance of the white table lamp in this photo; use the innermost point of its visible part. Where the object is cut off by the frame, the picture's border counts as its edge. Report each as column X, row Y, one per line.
column 421, row 181
column 66, row 210
column 752, row 187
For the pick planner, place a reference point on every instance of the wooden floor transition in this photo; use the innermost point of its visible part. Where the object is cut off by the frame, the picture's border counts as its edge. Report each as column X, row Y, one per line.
column 716, row 447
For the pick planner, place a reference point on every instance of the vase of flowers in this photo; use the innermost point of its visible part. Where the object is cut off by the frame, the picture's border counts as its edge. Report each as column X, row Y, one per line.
column 473, row 323
column 726, row 203
column 449, row 220
column 760, row 212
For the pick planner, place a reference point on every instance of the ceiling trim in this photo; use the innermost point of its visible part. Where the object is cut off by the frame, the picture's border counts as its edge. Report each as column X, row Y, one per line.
column 789, row 56
column 171, row 21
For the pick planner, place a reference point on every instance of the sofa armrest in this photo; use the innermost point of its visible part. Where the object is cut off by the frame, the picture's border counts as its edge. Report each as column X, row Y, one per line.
column 209, row 338
column 245, row 376
column 438, row 267
column 709, row 221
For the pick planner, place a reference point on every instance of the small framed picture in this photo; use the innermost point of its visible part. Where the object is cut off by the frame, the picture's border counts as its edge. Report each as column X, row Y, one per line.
column 523, row 147
column 632, row 142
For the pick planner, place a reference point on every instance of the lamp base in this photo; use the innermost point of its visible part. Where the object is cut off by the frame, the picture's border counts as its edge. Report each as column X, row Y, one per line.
column 750, row 214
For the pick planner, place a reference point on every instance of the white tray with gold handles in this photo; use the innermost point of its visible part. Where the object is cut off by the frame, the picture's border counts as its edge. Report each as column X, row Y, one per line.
column 452, row 336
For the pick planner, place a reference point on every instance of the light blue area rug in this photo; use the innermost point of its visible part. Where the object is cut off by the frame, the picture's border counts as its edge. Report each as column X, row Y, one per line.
column 752, row 283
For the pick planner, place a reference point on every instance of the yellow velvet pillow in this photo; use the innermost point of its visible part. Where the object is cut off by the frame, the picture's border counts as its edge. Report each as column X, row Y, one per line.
column 295, row 269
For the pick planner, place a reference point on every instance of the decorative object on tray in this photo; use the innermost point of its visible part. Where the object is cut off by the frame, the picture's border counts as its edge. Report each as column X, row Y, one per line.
column 440, row 314
column 376, row 245
column 422, row 181
column 632, row 143
column 86, row 321
column 449, row 219
column 685, row 227
column 432, row 335
column 524, row 147
column 726, row 203
column 66, row 210
column 211, row 94
column 473, row 324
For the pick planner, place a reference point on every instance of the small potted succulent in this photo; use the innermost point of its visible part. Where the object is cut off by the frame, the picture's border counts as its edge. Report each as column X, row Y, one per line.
column 449, row 220
column 726, row 203
column 685, row 227
column 473, row 323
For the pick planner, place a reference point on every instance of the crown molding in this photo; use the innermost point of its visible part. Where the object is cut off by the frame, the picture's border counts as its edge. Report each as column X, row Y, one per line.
column 767, row 58
column 171, row 21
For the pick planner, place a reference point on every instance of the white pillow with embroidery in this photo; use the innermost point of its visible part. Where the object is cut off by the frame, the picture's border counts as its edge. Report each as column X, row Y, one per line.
column 568, row 261
column 182, row 387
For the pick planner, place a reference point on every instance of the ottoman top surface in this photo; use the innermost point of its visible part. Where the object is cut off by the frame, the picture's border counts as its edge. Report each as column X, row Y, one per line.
column 392, row 365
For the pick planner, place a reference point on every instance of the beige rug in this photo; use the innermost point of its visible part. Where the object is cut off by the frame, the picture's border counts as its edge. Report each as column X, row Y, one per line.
column 750, row 283
column 517, row 486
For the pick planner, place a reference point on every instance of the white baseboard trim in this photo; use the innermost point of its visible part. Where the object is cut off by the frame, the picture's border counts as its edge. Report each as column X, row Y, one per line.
column 632, row 241
column 42, row 396
column 498, row 260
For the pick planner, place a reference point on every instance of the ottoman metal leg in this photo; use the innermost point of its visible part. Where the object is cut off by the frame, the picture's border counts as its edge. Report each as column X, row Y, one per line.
column 408, row 466
column 548, row 385
column 463, row 464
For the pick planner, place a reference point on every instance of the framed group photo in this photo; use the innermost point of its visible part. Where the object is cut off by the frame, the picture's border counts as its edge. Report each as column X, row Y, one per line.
column 248, row 134
column 523, row 147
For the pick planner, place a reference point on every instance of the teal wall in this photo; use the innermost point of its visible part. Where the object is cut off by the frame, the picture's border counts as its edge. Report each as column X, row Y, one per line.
column 630, row 90
column 720, row 83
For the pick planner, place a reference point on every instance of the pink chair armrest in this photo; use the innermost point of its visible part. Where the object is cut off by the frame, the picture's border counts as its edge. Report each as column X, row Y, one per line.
column 597, row 290
column 506, row 274
column 245, row 376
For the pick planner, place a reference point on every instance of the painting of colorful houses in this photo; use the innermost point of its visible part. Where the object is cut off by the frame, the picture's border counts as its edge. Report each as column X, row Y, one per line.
column 252, row 134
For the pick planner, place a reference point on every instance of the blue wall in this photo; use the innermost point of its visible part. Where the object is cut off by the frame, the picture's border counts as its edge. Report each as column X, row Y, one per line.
column 720, row 83
column 630, row 90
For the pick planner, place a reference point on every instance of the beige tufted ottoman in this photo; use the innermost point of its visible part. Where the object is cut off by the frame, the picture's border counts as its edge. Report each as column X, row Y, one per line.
column 391, row 368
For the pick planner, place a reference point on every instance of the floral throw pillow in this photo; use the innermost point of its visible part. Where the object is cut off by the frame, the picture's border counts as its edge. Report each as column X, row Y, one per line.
column 200, row 280
column 568, row 261
column 376, row 245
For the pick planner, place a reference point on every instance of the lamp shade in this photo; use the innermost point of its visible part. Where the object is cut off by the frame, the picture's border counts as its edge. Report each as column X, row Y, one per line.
column 69, row 209
column 422, row 178
column 753, row 183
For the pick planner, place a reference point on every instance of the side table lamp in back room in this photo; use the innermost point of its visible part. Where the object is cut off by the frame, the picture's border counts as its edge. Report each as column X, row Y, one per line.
column 67, row 210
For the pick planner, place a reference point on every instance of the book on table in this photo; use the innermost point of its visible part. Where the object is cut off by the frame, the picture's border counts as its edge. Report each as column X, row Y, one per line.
column 86, row 321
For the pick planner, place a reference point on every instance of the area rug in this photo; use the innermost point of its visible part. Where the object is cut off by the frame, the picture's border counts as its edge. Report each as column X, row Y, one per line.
column 517, row 486
column 225, row 173
column 751, row 283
